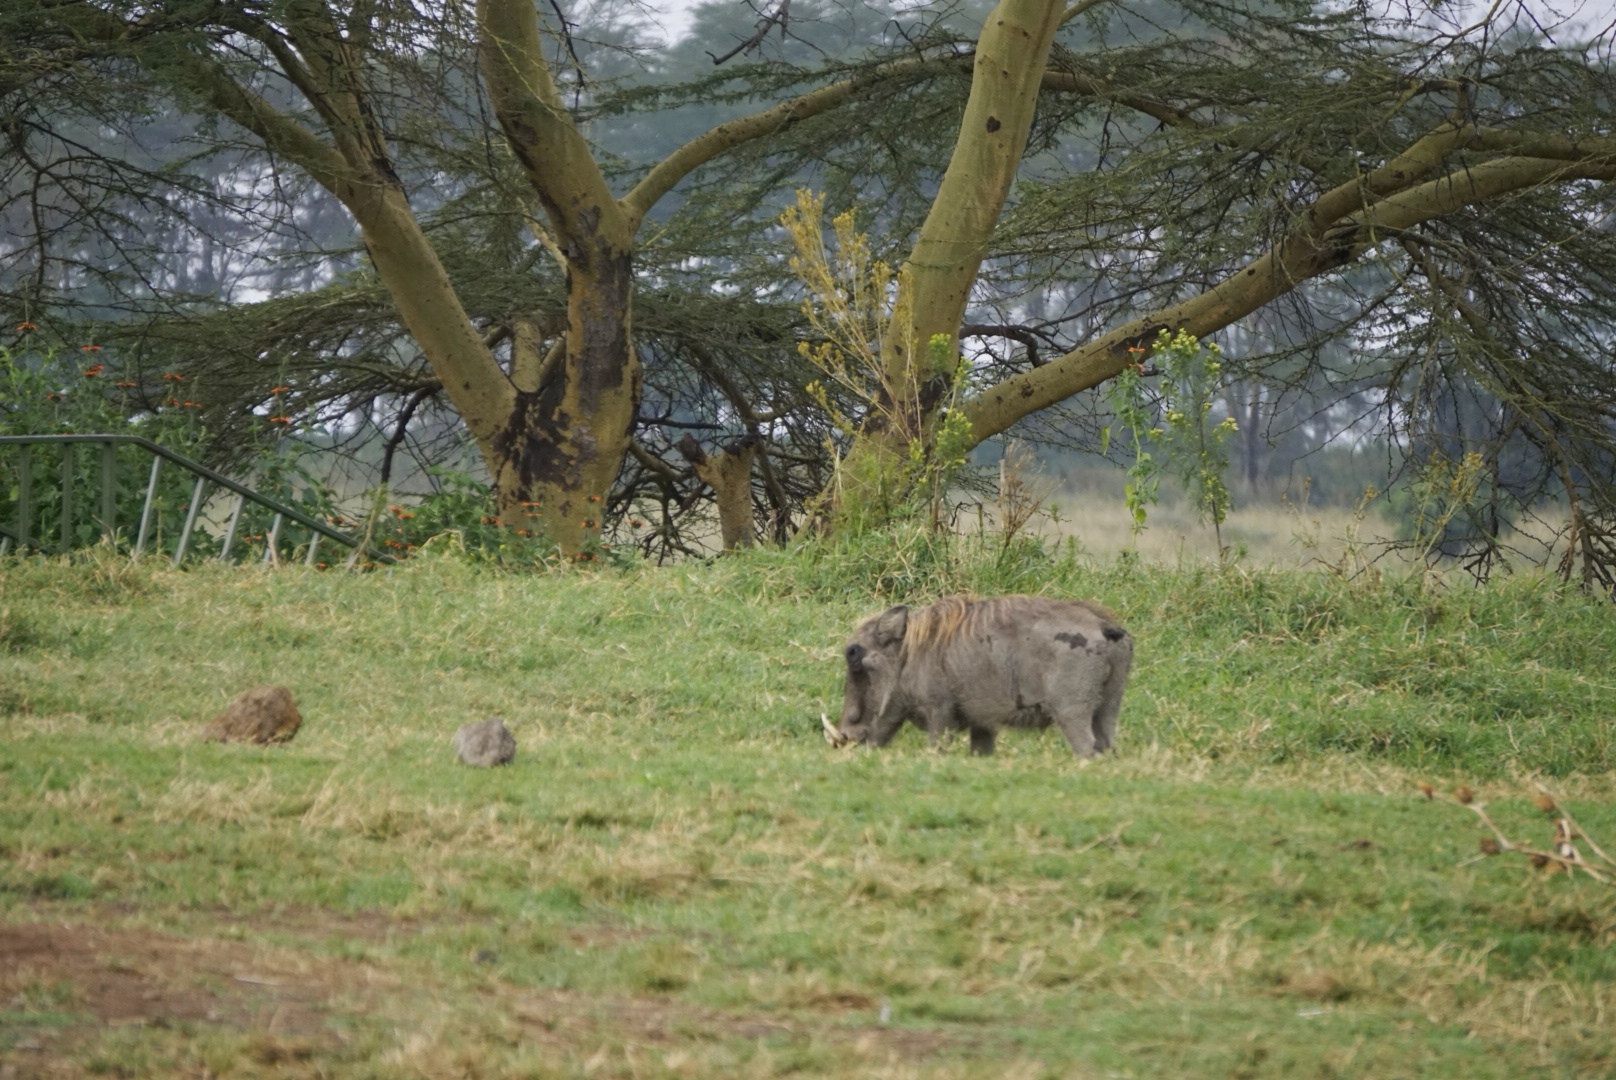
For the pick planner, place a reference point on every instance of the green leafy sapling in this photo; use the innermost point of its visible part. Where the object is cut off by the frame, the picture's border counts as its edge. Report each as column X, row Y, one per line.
column 1177, row 426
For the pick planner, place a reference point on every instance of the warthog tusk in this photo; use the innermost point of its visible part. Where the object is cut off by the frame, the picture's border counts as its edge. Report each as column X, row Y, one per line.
column 833, row 736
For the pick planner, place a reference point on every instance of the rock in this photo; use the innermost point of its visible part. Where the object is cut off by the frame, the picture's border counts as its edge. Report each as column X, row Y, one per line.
column 264, row 714
column 486, row 743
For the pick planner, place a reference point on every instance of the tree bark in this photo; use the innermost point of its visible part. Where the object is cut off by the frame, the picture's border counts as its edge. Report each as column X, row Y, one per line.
column 730, row 476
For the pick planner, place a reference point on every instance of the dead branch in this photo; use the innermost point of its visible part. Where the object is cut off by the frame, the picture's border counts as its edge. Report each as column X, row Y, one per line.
column 1562, row 852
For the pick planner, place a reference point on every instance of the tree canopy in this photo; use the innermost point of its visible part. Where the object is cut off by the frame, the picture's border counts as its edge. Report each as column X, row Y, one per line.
column 568, row 244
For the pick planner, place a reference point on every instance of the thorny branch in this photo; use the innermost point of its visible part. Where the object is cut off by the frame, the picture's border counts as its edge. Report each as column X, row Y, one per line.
column 780, row 16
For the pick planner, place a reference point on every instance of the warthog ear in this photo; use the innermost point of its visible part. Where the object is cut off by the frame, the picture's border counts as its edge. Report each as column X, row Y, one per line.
column 890, row 627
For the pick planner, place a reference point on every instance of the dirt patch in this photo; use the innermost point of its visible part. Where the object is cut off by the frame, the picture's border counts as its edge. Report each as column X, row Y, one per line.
column 89, row 976
column 64, row 985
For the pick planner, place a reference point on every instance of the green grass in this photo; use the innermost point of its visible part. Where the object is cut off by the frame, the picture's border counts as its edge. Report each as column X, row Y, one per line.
column 678, row 877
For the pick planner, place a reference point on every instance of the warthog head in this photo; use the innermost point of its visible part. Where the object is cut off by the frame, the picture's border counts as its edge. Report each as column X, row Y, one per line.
column 871, row 711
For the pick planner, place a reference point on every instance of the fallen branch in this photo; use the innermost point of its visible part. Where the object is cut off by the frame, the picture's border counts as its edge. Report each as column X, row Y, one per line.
column 1561, row 854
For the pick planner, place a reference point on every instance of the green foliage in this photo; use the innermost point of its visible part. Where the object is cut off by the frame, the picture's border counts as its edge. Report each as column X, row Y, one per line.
column 854, row 304
column 1177, row 427
column 46, row 392
column 674, row 841
column 458, row 516
column 459, row 511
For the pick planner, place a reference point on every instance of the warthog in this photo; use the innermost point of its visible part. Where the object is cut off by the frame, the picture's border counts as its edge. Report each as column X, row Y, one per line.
column 980, row 665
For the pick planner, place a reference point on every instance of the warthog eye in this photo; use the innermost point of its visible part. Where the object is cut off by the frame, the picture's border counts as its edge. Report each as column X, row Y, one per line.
column 855, row 659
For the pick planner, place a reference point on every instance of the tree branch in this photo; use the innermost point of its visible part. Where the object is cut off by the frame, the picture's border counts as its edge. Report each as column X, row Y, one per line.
column 727, row 136
column 281, row 134
column 1071, row 82
column 1319, row 247
column 1077, row 9
column 403, row 424
column 554, row 156
column 404, row 258
column 654, row 463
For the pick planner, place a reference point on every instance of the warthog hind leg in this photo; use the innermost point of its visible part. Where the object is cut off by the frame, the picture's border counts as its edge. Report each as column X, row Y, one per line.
column 1105, row 717
column 1077, row 720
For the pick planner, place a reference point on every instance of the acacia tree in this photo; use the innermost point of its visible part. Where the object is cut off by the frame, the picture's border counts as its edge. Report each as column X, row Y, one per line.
column 330, row 88
column 1439, row 175
column 1168, row 179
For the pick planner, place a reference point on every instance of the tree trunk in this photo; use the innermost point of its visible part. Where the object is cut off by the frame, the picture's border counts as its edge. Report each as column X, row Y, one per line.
column 730, row 476
column 1008, row 73
column 562, row 445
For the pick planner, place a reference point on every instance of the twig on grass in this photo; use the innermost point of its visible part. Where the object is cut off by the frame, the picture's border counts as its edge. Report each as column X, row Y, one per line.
column 1563, row 852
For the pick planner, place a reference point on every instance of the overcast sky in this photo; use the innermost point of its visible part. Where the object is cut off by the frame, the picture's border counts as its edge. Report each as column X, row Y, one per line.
column 1553, row 15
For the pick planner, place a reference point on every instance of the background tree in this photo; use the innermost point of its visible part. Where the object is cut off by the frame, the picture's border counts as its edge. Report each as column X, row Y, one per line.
column 1406, row 184
column 1395, row 196
column 358, row 97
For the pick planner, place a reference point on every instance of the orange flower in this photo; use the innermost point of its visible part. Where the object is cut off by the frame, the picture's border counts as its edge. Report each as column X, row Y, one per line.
column 53, row 397
column 405, row 517
column 171, row 401
column 173, row 376
column 1137, row 349
column 279, row 389
column 594, row 498
column 490, row 521
column 26, row 327
column 89, row 348
column 319, row 566
column 126, row 385
column 280, row 419
column 192, row 404
column 92, row 372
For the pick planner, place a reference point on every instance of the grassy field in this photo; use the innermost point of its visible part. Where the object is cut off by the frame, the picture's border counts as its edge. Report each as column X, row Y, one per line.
column 677, row 877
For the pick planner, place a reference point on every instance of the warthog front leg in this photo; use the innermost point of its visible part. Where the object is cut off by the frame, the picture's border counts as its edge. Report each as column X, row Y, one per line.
column 982, row 741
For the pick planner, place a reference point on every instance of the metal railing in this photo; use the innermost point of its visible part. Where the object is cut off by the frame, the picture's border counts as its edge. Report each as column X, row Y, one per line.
column 19, row 532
